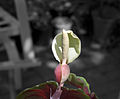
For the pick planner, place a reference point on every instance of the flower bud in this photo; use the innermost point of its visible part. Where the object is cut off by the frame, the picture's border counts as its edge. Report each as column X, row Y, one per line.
column 62, row 73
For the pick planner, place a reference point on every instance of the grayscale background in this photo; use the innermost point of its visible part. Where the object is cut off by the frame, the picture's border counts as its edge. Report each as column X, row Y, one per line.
column 27, row 28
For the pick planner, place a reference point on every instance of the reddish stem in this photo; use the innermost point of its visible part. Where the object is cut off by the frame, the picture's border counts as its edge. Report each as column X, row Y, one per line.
column 57, row 93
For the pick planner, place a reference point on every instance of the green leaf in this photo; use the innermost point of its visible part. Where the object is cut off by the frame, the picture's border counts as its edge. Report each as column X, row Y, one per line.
column 73, row 94
column 46, row 90
column 79, row 82
column 74, row 46
column 41, row 91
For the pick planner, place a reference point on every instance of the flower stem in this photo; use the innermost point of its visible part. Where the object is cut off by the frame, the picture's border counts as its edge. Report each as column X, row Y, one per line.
column 57, row 93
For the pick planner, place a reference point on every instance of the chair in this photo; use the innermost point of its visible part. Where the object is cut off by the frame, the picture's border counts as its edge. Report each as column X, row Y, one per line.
column 9, row 26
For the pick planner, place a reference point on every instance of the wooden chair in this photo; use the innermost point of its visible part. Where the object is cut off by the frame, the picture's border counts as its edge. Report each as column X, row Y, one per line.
column 9, row 26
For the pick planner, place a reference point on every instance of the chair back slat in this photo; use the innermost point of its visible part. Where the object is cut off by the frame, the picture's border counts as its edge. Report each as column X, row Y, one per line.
column 25, row 31
column 9, row 27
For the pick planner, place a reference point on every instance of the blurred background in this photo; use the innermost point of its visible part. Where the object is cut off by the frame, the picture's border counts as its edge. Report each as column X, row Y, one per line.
column 27, row 28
